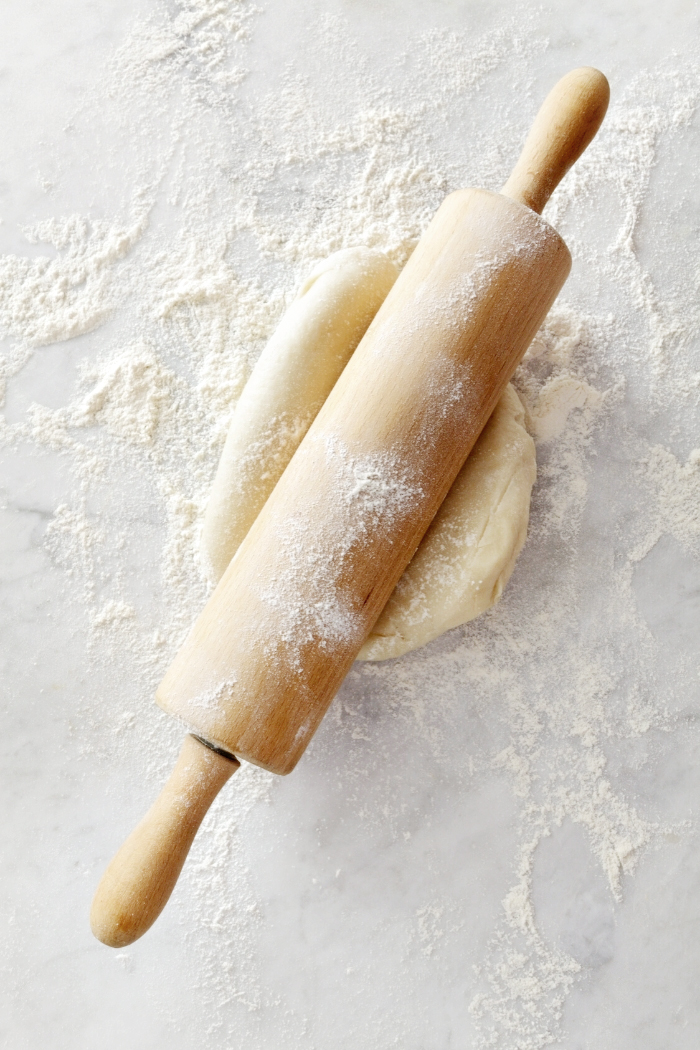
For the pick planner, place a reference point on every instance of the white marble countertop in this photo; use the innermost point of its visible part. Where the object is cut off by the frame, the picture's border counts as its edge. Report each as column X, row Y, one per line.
column 490, row 843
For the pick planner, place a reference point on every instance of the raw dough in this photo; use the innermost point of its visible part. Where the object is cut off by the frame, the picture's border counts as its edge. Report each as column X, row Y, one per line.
column 465, row 559
column 292, row 378
column 467, row 555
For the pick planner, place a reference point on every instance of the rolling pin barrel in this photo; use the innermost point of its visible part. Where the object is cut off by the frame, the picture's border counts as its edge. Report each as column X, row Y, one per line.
column 268, row 653
column 313, row 574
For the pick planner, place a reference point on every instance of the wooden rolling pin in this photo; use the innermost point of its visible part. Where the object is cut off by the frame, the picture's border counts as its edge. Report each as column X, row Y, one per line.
column 278, row 635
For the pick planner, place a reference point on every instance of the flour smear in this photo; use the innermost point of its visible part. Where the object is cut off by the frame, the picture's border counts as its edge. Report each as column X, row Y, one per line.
column 226, row 196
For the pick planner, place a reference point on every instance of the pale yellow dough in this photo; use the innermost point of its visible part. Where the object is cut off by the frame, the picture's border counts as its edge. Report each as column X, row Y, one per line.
column 467, row 555
column 292, row 378
column 469, row 551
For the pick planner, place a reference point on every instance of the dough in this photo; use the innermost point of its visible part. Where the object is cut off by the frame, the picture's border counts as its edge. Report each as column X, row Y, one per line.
column 465, row 559
column 292, row 378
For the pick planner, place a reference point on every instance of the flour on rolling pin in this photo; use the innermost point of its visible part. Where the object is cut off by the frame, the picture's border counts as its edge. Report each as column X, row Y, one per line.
column 374, row 493
column 465, row 560
column 338, row 530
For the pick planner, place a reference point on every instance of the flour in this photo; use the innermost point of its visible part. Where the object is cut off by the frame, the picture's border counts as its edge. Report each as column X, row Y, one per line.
column 382, row 485
column 309, row 581
column 674, row 489
column 129, row 395
column 173, row 314
column 557, row 399
column 72, row 539
column 49, row 299
column 112, row 612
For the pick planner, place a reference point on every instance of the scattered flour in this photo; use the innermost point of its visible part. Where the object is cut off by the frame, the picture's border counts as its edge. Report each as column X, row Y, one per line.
column 674, row 491
column 259, row 188
column 52, row 298
column 557, row 400
column 128, row 395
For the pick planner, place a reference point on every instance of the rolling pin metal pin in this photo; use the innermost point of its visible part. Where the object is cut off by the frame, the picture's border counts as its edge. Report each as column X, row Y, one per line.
column 278, row 635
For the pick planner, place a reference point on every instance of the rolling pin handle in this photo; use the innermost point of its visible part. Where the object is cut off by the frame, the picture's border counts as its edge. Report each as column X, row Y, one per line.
column 138, row 882
column 566, row 123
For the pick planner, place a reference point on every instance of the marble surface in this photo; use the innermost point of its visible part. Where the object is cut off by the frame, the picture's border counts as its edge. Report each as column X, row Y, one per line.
column 360, row 901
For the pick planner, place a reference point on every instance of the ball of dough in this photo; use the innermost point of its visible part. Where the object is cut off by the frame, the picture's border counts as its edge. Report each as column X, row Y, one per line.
column 291, row 379
column 465, row 559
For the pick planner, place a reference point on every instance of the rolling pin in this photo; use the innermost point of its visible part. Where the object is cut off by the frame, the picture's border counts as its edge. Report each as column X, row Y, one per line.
column 269, row 651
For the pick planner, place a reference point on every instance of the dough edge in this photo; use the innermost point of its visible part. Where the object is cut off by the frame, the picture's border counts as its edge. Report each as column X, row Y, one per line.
column 288, row 385
column 469, row 552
